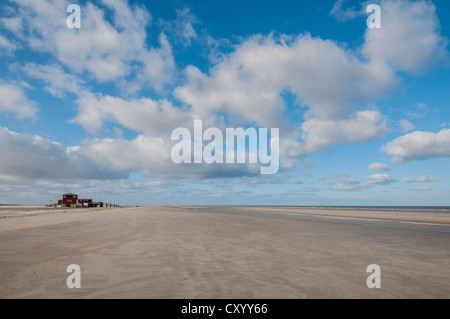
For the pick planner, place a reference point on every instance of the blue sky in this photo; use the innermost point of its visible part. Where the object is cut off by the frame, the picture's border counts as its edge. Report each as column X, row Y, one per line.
column 364, row 114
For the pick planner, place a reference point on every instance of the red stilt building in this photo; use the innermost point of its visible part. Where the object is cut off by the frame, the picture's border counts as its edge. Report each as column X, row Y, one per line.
column 71, row 200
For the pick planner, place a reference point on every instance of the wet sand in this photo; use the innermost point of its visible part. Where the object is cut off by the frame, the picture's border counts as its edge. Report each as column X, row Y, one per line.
column 223, row 252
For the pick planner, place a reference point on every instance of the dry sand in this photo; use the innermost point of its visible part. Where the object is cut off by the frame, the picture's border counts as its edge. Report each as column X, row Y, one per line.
column 222, row 252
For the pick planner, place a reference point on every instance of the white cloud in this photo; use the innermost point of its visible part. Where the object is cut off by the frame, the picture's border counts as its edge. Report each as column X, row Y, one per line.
column 101, row 159
column 330, row 81
column 342, row 14
column 140, row 154
column 245, row 87
column 379, row 179
column 419, row 145
column 14, row 25
column 6, row 46
column 378, row 167
column 154, row 118
column 409, row 38
column 107, row 51
column 248, row 83
column 13, row 100
column 36, row 157
column 349, row 184
column 183, row 26
column 59, row 82
column 427, row 179
column 406, row 125
column 348, row 187
column 360, row 127
column 159, row 65
column 421, row 179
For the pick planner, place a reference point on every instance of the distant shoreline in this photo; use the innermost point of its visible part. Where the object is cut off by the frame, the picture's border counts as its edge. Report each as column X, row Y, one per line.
column 405, row 209
column 445, row 209
column 411, row 209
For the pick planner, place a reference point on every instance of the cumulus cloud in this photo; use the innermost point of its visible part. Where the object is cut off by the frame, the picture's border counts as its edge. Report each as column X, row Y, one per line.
column 421, row 179
column 360, row 127
column 427, row 179
column 379, row 179
column 419, row 145
column 36, row 157
column 108, row 51
column 409, row 39
column 329, row 81
column 13, row 100
column 345, row 183
column 326, row 78
column 378, row 167
column 59, row 82
column 349, row 184
column 335, row 86
column 155, row 118
column 152, row 156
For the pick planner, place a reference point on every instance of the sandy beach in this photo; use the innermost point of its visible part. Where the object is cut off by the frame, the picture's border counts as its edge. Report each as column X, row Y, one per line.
column 223, row 252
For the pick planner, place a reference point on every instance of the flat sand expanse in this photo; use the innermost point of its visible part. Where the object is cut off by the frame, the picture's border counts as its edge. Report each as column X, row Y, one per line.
column 222, row 252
